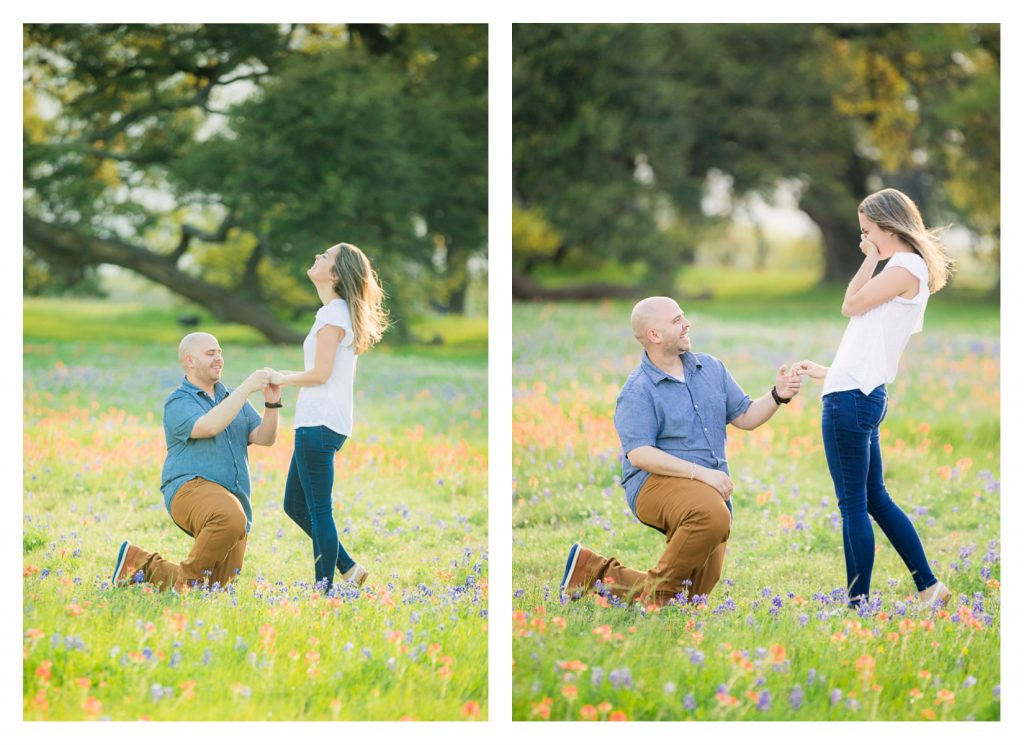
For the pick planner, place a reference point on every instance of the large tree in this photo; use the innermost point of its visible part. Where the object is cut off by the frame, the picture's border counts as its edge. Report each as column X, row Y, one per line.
column 616, row 130
column 217, row 159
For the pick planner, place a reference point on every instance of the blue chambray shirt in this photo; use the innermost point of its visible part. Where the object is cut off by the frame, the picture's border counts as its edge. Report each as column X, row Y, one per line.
column 222, row 459
column 684, row 418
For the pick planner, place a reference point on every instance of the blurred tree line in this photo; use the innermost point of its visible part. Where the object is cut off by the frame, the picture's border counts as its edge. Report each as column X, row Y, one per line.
column 218, row 159
column 617, row 128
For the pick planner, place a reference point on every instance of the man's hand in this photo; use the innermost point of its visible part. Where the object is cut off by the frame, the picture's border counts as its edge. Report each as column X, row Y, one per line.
column 787, row 383
column 272, row 391
column 721, row 482
column 257, row 380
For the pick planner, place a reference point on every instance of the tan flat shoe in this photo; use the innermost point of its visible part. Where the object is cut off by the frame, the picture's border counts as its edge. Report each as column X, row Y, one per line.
column 936, row 594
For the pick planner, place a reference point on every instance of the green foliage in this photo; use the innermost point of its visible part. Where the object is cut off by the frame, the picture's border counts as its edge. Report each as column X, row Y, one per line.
column 290, row 138
column 617, row 128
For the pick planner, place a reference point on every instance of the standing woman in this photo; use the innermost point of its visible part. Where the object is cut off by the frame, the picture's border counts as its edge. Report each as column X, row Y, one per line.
column 350, row 322
column 884, row 310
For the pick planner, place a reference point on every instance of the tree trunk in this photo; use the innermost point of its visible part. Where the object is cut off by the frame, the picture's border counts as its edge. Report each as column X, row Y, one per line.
column 839, row 235
column 62, row 245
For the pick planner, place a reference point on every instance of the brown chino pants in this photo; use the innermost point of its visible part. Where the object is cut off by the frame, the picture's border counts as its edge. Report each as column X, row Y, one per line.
column 214, row 516
column 696, row 523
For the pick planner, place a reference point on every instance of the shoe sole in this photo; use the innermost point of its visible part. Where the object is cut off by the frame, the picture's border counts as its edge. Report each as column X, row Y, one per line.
column 122, row 557
column 570, row 566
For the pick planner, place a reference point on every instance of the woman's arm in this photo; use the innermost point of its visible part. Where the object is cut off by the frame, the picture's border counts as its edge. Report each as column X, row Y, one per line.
column 327, row 340
column 865, row 293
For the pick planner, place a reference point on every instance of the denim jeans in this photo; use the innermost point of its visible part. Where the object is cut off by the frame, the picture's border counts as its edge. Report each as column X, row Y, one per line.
column 849, row 429
column 307, row 498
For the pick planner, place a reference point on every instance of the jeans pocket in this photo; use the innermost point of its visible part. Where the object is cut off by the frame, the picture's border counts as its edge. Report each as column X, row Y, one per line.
column 870, row 410
column 330, row 440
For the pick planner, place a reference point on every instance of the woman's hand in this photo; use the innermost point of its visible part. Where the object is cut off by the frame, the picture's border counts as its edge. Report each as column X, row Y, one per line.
column 869, row 249
column 810, row 369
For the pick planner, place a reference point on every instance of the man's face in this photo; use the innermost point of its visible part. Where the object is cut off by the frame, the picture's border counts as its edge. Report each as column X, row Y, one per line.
column 204, row 361
column 675, row 332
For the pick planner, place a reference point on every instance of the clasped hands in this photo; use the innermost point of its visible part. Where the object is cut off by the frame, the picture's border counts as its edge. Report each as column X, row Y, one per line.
column 269, row 380
column 787, row 382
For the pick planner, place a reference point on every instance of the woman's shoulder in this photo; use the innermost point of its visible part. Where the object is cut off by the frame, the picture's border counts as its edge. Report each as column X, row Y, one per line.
column 908, row 260
column 337, row 309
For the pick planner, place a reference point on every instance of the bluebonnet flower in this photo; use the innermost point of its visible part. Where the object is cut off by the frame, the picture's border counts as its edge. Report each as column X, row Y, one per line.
column 969, row 681
column 596, row 676
column 689, row 703
column 835, row 696
column 803, row 619
column 764, row 701
column 620, row 678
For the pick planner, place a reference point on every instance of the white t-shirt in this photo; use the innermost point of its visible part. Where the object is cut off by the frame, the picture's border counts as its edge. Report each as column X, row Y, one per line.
column 869, row 353
column 329, row 404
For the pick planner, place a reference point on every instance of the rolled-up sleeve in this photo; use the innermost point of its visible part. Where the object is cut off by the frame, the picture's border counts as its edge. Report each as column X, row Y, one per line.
column 736, row 401
column 635, row 421
column 180, row 415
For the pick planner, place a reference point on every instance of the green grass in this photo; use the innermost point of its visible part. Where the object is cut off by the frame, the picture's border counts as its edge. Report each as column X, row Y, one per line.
column 98, row 321
column 737, row 658
column 410, row 498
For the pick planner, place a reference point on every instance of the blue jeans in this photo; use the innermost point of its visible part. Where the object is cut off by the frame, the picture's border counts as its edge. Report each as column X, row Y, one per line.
column 307, row 498
column 849, row 429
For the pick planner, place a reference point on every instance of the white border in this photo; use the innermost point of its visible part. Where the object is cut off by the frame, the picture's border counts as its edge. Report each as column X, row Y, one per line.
column 500, row 18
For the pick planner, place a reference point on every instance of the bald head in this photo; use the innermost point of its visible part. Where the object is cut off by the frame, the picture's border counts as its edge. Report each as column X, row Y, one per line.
column 652, row 313
column 196, row 342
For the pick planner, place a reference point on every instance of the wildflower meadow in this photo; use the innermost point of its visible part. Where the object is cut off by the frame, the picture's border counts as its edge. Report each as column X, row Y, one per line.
column 774, row 640
column 410, row 504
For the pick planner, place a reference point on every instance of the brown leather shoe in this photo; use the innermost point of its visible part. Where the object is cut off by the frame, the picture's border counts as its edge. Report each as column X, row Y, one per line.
column 126, row 565
column 575, row 582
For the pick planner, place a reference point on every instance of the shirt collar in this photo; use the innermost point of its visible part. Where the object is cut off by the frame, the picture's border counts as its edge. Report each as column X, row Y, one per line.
column 218, row 388
column 656, row 374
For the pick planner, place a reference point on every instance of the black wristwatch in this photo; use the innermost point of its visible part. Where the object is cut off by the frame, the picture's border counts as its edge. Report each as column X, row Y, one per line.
column 778, row 400
column 278, row 405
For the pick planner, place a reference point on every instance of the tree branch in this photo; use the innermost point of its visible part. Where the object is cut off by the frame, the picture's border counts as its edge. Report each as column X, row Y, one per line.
column 188, row 232
column 250, row 282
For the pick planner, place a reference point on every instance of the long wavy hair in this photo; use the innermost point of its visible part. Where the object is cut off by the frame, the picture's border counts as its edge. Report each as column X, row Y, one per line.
column 893, row 210
column 357, row 284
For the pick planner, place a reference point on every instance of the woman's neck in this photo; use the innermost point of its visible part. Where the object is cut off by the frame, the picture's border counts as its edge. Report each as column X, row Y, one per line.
column 326, row 293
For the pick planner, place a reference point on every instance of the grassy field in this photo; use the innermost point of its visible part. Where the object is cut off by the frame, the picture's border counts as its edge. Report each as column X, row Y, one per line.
column 410, row 504
column 774, row 641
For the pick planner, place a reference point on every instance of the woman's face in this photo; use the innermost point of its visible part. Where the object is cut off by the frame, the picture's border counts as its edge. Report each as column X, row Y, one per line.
column 323, row 266
column 883, row 240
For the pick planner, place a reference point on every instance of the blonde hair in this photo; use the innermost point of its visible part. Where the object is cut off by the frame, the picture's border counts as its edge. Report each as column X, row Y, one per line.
column 894, row 211
column 357, row 284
